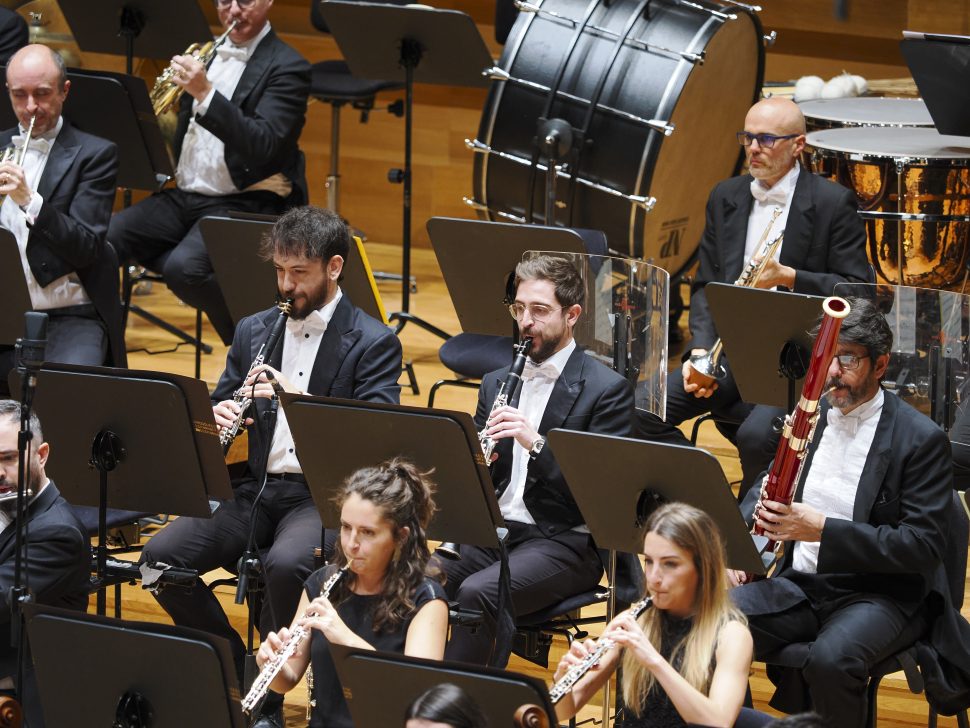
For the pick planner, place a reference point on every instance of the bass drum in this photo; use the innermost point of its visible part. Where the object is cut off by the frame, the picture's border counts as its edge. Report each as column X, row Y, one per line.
column 621, row 74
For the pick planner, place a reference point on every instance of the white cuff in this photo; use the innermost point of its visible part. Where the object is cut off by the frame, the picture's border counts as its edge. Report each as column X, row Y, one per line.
column 32, row 208
column 203, row 106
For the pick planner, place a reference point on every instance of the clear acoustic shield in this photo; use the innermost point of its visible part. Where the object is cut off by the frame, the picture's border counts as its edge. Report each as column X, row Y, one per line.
column 624, row 321
column 928, row 367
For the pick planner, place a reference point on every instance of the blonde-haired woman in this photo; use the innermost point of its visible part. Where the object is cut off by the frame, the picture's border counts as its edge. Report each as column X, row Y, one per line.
column 686, row 659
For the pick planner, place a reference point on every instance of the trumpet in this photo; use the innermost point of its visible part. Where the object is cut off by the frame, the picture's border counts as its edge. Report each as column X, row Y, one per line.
column 16, row 154
column 165, row 93
column 709, row 364
column 240, row 396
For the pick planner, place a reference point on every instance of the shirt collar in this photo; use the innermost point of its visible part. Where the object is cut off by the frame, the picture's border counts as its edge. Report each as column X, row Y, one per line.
column 250, row 45
column 317, row 320
column 860, row 414
column 49, row 136
column 783, row 188
column 557, row 362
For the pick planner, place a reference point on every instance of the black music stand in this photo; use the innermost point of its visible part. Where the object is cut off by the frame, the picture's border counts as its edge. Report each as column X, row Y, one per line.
column 14, row 297
column 766, row 339
column 94, row 672
column 618, row 481
column 153, row 432
column 367, row 433
column 478, row 258
column 412, row 44
column 380, row 687
column 248, row 282
column 939, row 66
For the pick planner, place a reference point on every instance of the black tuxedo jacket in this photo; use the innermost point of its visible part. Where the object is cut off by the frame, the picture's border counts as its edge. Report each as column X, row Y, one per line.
column 359, row 358
column 78, row 187
column 825, row 242
column 261, row 124
column 588, row 397
column 895, row 541
column 60, row 563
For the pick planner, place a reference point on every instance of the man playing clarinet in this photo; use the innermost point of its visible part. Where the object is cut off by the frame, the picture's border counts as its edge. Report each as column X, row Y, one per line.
column 864, row 538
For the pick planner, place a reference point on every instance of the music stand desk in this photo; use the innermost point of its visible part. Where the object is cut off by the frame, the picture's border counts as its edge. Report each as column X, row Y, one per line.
column 755, row 326
column 14, row 297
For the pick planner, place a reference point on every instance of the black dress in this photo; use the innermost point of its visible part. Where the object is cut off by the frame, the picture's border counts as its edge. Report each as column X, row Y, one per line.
column 357, row 613
column 657, row 711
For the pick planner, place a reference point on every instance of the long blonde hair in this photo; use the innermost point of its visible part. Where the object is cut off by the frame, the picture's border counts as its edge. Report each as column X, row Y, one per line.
column 695, row 532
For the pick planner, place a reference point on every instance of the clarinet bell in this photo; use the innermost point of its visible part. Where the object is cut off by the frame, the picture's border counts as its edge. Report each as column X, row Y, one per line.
column 449, row 550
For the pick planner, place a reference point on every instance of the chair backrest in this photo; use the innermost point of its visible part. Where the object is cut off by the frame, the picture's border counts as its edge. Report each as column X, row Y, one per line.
column 955, row 555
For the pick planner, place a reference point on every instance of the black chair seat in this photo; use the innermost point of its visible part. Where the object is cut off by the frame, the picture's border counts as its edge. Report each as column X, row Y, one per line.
column 566, row 606
column 88, row 516
column 332, row 81
column 475, row 355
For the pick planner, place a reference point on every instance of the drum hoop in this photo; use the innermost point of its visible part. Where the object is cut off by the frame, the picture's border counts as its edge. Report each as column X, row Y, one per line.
column 911, row 216
column 900, row 160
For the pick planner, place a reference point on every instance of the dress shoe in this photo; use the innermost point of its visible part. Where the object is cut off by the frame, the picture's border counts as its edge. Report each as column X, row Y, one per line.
column 270, row 719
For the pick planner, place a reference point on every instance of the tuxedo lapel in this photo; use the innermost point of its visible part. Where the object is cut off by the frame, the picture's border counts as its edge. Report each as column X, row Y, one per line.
column 737, row 210
column 59, row 161
column 256, row 67
column 337, row 340
column 798, row 229
column 877, row 461
column 565, row 392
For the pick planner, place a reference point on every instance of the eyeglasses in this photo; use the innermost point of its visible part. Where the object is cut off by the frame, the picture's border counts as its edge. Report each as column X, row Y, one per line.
column 850, row 362
column 765, row 141
column 537, row 311
column 243, row 4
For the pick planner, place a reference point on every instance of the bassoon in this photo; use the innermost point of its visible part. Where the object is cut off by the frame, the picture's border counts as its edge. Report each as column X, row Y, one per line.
column 786, row 469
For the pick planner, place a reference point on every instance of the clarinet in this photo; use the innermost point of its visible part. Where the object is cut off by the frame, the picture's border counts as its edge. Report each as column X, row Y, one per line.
column 272, row 668
column 240, row 396
column 505, row 394
column 799, row 430
column 565, row 684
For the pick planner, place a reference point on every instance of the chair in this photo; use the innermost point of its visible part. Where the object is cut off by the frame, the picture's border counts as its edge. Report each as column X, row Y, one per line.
column 955, row 564
column 471, row 357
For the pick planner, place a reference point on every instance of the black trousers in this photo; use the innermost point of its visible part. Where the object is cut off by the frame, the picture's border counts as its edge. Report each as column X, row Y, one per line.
column 544, row 571
column 287, row 531
column 162, row 233
column 757, row 441
column 849, row 635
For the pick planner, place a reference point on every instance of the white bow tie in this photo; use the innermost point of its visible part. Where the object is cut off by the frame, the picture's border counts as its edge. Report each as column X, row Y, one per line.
column 226, row 52
column 38, row 144
column 309, row 325
column 545, row 370
column 777, row 195
column 845, row 424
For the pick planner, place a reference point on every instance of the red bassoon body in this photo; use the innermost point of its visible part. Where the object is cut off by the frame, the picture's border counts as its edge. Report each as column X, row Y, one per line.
column 782, row 480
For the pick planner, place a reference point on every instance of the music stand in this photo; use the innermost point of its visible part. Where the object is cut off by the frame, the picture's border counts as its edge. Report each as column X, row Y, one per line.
column 766, row 339
column 939, row 66
column 617, row 481
column 380, row 687
column 478, row 258
column 248, row 282
column 412, row 44
column 94, row 672
column 101, row 420
column 14, row 297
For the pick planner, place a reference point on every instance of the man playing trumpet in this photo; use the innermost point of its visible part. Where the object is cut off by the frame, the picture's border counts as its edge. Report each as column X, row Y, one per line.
column 236, row 150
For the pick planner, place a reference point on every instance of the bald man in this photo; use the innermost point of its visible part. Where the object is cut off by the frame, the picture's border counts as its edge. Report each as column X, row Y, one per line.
column 824, row 244
column 57, row 204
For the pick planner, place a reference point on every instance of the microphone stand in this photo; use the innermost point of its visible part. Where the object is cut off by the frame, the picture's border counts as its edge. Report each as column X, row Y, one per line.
column 30, row 357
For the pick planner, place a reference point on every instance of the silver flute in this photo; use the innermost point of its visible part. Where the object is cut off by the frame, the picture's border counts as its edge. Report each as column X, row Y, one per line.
column 272, row 668
column 564, row 684
column 506, row 392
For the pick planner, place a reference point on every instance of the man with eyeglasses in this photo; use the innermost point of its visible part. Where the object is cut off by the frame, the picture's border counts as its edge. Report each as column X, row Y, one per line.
column 236, row 149
column 551, row 554
column 824, row 244
column 862, row 573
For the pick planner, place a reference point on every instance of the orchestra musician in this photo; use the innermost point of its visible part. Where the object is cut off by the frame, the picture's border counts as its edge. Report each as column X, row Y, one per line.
column 686, row 659
column 329, row 347
column 862, row 574
column 444, row 706
column 390, row 598
column 824, row 244
column 551, row 553
column 59, row 566
column 236, row 150
column 57, row 205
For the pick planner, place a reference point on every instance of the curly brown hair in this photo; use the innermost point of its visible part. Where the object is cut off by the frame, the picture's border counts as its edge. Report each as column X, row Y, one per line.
column 405, row 496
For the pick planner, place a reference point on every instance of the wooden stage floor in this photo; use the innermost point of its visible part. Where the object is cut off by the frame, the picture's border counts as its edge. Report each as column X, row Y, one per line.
column 897, row 706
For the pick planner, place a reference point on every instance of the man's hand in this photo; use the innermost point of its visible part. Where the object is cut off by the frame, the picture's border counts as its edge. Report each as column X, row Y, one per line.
column 264, row 384
column 702, row 386
column 509, row 422
column 776, row 274
column 190, row 76
column 226, row 413
column 797, row 522
column 14, row 184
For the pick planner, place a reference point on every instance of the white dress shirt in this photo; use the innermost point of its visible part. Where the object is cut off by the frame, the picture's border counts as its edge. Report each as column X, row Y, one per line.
column 538, row 382
column 202, row 162
column 779, row 197
column 833, row 480
column 66, row 290
column 301, row 342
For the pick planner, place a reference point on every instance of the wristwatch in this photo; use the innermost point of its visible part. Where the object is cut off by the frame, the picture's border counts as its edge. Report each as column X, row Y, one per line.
column 537, row 445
